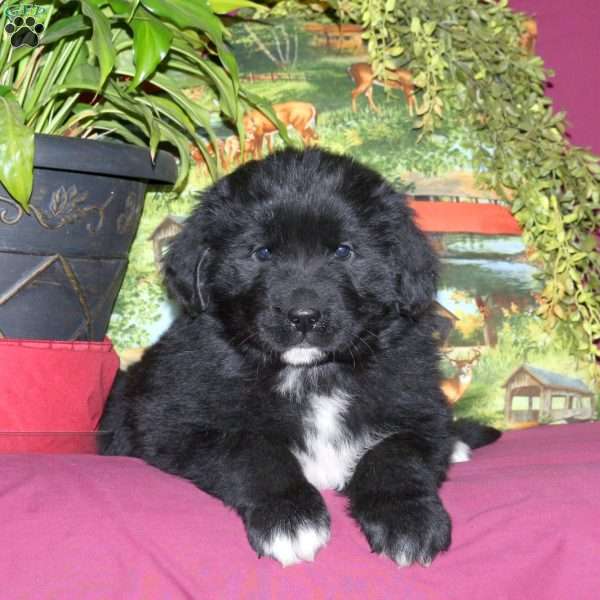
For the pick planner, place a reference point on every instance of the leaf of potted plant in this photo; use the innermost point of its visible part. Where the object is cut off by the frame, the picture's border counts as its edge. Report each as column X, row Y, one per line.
column 69, row 207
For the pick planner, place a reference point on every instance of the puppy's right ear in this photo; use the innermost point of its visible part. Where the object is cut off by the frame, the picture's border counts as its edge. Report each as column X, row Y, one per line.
column 185, row 269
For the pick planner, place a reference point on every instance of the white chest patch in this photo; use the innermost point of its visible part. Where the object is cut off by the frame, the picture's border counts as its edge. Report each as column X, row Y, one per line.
column 291, row 382
column 331, row 452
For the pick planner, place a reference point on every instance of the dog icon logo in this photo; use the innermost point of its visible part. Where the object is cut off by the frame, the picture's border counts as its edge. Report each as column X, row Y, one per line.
column 24, row 27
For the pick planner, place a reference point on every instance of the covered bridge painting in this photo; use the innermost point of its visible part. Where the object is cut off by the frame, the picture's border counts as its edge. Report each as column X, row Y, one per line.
column 537, row 395
column 163, row 235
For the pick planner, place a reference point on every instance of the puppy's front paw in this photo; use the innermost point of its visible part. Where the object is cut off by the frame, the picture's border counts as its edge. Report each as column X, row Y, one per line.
column 290, row 528
column 299, row 544
column 407, row 531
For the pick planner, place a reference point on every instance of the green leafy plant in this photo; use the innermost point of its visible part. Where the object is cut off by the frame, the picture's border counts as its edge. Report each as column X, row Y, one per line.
column 468, row 58
column 117, row 68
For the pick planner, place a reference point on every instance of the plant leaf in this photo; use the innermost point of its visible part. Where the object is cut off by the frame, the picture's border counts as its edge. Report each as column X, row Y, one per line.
column 188, row 14
column 169, row 108
column 229, row 62
column 199, row 115
column 222, row 7
column 84, row 76
column 115, row 126
column 151, row 43
column 64, row 28
column 181, row 142
column 17, row 55
column 101, row 39
column 120, row 6
column 216, row 75
column 16, row 151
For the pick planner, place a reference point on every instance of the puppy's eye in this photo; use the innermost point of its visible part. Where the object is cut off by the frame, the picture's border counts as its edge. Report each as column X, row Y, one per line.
column 263, row 254
column 343, row 252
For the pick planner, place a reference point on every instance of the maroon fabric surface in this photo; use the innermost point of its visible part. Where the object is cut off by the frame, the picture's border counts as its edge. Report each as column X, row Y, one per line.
column 52, row 393
column 569, row 43
column 525, row 513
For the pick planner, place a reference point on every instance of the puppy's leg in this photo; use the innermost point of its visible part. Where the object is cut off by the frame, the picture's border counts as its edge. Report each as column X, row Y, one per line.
column 284, row 515
column 393, row 497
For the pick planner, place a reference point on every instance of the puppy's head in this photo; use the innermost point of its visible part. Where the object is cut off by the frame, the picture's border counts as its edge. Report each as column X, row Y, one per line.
column 304, row 256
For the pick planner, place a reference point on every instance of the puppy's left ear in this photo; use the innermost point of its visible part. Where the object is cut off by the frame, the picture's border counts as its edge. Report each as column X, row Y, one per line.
column 185, row 269
column 416, row 264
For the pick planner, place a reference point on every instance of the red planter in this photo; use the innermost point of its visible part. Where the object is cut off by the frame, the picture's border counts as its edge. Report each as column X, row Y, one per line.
column 52, row 394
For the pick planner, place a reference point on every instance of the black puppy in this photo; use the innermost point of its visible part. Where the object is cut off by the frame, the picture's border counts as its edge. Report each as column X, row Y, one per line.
column 305, row 359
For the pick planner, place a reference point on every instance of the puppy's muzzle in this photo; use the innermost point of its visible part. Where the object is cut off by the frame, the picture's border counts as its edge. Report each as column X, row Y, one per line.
column 304, row 319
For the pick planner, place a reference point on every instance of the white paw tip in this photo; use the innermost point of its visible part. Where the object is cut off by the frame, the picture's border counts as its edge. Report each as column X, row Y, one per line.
column 309, row 540
column 302, row 546
column 402, row 560
column 461, row 452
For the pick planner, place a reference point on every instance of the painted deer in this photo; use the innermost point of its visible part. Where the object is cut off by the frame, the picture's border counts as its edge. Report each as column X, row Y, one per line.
column 529, row 35
column 302, row 116
column 364, row 79
column 228, row 149
column 455, row 387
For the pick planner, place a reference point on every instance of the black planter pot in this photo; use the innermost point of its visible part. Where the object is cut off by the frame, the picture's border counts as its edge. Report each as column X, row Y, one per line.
column 62, row 265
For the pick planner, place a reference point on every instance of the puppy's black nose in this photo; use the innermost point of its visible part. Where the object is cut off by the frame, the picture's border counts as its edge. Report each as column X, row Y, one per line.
column 304, row 319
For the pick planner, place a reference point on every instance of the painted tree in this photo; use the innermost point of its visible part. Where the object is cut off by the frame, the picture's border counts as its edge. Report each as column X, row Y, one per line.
column 492, row 286
column 277, row 41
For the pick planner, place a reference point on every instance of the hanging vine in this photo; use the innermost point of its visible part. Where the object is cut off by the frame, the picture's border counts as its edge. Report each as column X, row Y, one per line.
column 472, row 59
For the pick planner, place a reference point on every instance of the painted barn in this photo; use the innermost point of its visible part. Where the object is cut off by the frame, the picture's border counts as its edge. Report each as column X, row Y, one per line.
column 445, row 322
column 165, row 231
column 537, row 395
column 454, row 186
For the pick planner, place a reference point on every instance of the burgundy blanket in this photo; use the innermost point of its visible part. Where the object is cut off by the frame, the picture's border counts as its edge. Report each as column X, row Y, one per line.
column 526, row 515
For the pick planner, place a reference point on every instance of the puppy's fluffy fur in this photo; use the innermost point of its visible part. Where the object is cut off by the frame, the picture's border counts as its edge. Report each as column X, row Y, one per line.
column 304, row 359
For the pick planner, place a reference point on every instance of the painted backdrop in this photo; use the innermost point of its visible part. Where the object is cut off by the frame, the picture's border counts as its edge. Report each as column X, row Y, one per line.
column 500, row 364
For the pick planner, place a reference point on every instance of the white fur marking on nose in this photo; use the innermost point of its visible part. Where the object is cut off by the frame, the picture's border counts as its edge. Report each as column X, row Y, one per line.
column 302, row 356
